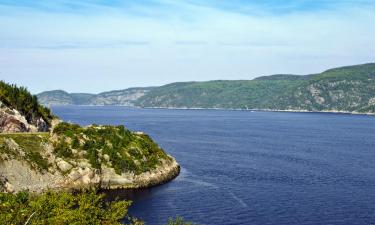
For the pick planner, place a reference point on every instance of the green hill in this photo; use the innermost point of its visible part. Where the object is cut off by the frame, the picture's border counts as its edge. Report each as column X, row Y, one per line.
column 350, row 89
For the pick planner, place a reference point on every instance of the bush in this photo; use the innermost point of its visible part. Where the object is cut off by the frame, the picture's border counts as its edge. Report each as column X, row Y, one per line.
column 60, row 208
column 62, row 149
column 178, row 221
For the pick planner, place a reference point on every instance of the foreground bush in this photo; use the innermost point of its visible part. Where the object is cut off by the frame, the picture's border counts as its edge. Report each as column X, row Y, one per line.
column 60, row 208
column 66, row 209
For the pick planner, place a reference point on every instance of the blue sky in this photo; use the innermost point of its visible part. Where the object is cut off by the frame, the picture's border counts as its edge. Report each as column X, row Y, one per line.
column 98, row 45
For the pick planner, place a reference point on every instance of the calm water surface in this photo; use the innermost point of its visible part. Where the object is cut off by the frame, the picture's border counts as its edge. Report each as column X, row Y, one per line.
column 241, row 167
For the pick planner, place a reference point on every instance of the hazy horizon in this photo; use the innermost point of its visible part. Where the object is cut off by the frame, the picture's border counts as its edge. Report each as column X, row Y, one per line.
column 93, row 46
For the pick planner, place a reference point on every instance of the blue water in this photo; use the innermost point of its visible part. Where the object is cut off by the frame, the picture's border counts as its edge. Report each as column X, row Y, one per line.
column 241, row 167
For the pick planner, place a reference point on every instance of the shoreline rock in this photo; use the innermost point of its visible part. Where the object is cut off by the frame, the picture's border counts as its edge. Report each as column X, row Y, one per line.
column 267, row 110
column 18, row 175
column 161, row 175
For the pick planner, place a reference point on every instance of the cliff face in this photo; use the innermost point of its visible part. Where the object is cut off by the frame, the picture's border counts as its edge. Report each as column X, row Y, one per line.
column 12, row 121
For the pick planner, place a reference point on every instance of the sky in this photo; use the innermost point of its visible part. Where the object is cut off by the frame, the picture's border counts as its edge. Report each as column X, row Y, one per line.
column 100, row 45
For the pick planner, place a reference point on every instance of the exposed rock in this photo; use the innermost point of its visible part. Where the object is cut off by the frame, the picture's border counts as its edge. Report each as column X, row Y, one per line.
column 162, row 174
column 14, row 147
column 17, row 175
column 41, row 125
column 63, row 165
column 20, row 177
column 11, row 121
column 8, row 187
column 83, row 178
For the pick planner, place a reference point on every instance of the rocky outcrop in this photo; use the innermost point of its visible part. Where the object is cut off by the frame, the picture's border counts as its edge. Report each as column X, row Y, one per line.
column 162, row 174
column 20, row 176
column 18, row 171
column 16, row 175
column 12, row 121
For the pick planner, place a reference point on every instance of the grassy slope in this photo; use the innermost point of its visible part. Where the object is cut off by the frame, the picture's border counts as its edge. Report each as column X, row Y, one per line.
column 346, row 89
column 32, row 146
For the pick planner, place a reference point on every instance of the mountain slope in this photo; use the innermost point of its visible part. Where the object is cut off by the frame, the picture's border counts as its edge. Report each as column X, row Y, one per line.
column 125, row 97
column 350, row 89
column 58, row 97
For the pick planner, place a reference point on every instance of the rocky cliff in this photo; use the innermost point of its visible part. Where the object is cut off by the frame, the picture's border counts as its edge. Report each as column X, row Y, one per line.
column 12, row 121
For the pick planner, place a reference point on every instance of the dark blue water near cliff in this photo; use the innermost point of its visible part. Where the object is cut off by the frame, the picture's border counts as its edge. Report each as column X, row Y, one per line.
column 241, row 167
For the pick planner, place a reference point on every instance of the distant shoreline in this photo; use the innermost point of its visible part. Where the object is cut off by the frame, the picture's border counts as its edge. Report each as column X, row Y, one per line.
column 231, row 109
column 265, row 110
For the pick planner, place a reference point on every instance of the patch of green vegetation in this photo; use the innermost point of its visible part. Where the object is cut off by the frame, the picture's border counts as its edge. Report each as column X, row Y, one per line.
column 19, row 98
column 61, row 208
column 126, row 151
column 30, row 144
column 179, row 221
column 63, row 149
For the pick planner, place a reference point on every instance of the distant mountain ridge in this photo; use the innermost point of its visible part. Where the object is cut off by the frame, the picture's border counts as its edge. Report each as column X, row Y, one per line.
column 125, row 97
column 344, row 89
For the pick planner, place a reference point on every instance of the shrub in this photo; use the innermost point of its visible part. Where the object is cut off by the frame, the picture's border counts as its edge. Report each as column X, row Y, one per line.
column 178, row 221
column 62, row 149
column 60, row 208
